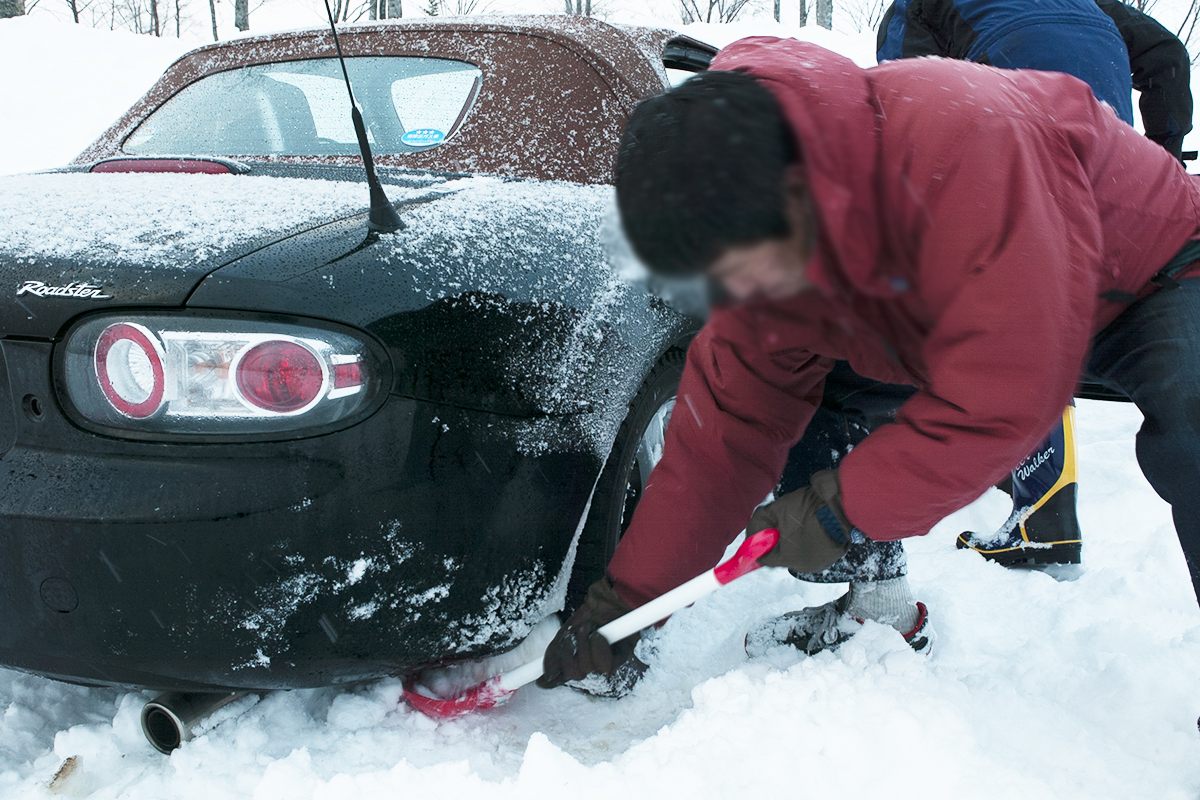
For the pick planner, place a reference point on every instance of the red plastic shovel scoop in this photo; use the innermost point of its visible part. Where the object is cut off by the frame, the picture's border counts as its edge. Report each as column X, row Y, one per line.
column 496, row 690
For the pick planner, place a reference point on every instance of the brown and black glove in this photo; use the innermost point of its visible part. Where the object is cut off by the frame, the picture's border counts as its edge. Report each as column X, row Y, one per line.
column 813, row 530
column 578, row 649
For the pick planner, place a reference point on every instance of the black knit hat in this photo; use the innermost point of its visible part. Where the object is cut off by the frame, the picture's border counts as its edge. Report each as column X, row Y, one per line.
column 701, row 169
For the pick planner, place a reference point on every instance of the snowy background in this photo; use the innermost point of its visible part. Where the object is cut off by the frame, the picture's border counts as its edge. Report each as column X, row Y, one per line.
column 1080, row 684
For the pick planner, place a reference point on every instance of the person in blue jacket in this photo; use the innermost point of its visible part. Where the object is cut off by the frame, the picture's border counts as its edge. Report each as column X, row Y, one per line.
column 1104, row 49
column 1114, row 48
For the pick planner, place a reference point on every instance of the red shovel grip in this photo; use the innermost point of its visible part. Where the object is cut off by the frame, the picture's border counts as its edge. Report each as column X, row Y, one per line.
column 746, row 558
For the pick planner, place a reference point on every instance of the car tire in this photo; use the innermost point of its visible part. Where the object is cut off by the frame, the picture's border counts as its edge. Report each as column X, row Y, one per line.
column 636, row 450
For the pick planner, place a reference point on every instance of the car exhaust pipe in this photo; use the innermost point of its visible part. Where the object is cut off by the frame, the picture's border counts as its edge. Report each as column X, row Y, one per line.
column 168, row 719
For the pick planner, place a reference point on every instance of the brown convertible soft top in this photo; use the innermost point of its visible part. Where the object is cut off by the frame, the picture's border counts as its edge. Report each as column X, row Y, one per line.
column 553, row 98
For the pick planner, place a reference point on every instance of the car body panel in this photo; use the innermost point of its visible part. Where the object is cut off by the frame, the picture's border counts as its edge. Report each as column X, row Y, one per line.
column 299, row 564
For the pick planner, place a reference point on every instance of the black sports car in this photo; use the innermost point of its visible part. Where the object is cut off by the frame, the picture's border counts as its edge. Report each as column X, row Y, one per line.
column 247, row 442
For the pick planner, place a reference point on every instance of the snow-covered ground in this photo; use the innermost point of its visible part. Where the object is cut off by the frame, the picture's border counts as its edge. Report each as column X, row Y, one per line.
column 1082, row 684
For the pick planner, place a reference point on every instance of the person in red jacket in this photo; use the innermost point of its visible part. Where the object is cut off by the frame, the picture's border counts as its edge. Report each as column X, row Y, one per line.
column 983, row 236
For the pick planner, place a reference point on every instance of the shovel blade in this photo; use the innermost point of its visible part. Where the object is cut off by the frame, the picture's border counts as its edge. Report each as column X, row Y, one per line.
column 479, row 698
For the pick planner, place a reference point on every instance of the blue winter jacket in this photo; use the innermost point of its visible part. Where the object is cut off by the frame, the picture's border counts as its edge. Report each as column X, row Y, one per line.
column 1071, row 36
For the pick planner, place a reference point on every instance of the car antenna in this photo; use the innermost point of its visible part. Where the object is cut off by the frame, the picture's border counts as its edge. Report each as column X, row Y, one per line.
column 382, row 217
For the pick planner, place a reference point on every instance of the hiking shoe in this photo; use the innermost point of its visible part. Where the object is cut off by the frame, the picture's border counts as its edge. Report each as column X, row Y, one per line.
column 811, row 630
column 922, row 636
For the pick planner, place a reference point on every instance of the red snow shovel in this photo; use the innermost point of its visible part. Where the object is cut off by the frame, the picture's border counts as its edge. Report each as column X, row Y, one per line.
column 496, row 690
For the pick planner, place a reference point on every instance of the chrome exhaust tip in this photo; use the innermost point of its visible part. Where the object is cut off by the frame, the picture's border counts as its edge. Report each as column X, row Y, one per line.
column 168, row 719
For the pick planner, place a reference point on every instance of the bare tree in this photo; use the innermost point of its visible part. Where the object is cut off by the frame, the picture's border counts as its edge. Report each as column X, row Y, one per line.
column 824, row 13
column 11, row 8
column 77, row 8
column 1187, row 28
column 461, row 8
column 704, row 10
column 350, row 11
column 126, row 15
column 241, row 14
column 865, row 15
column 385, row 9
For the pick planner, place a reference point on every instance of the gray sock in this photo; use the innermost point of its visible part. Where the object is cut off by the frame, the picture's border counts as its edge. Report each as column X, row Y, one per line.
column 887, row 602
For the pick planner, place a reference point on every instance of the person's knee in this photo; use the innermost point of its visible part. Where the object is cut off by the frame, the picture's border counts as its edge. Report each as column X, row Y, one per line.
column 1168, row 451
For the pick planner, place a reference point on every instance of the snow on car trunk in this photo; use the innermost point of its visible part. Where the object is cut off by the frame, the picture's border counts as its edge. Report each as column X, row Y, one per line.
column 145, row 239
column 161, row 220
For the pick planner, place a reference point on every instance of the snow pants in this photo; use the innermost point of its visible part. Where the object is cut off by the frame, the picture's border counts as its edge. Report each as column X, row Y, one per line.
column 851, row 408
column 1152, row 354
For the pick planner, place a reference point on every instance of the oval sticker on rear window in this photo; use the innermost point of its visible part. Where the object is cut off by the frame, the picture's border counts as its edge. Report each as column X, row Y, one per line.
column 422, row 137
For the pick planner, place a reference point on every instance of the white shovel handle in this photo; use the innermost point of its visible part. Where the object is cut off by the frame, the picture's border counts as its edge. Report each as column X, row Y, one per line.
column 745, row 560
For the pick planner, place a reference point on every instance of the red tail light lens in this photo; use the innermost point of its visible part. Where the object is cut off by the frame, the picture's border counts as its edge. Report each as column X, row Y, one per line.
column 280, row 376
column 348, row 375
column 129, row 367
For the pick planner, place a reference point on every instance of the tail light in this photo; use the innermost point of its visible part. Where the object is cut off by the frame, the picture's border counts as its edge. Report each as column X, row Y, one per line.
column 182, row 375
column 129, row 367
column 280, row 376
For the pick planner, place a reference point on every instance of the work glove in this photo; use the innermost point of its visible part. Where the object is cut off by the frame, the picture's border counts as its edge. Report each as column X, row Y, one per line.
column 578, row 650
column 813, row 530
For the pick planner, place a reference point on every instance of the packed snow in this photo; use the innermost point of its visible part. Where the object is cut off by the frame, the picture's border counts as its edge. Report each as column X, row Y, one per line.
column 1075, row 683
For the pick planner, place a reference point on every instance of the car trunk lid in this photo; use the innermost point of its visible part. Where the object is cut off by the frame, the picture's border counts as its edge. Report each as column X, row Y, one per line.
column 76, row 242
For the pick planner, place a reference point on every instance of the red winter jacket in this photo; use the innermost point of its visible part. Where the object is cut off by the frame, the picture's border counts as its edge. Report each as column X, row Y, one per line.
column 969, row 220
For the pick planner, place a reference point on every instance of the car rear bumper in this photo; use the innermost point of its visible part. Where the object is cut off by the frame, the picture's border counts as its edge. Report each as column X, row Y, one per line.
column 421, row 534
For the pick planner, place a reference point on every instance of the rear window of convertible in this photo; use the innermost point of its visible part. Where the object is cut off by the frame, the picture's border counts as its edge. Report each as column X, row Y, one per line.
column 301, row 108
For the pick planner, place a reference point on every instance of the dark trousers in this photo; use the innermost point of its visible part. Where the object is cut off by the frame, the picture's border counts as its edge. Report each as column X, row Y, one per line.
column 1152, row 354
column 852, row 407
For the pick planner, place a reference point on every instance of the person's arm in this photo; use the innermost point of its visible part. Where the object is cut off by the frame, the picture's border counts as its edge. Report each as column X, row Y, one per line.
column 1008, row 246
column 737, row 414
column 887, row 38
column 1161, row 69
column 912, row 28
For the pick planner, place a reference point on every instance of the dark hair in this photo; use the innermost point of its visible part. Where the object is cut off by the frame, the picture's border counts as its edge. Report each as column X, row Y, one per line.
column 700, row 169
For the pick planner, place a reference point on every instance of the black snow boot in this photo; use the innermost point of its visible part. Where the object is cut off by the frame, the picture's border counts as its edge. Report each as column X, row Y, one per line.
column 1043, row 528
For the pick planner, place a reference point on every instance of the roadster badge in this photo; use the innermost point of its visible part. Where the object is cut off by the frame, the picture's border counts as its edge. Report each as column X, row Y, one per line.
column 78, row 289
